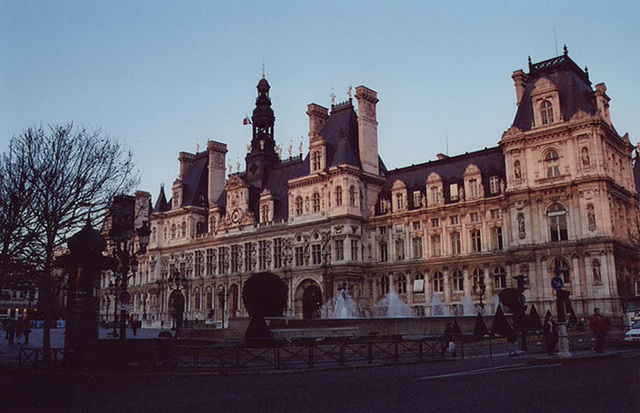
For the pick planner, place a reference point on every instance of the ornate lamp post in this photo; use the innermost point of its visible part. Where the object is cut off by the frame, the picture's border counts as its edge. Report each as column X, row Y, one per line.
column 479, row 288
column 176, row 283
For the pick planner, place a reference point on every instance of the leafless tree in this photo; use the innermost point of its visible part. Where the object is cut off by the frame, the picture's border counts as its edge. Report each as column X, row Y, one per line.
column 71, row 174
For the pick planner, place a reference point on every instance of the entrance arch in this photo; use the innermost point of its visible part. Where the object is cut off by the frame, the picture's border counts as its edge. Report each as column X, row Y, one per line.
column 311, row 301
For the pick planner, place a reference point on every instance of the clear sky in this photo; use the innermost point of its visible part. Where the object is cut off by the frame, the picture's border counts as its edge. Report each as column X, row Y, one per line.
column 166, row 76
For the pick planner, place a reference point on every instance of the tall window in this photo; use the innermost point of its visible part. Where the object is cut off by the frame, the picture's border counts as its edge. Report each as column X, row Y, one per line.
column 557, row 222
column 476, row 240
column 299, row 256
column 494, row 185
column 222, row 260
column 438, row 282
column 354, row 250
column 456, row 244
column 499, row 278
column 352, row 196
column 264, row 213
column 277, row 253
column 546, row 111
column 315, row 160
column 211, row 261
column 458, row 281
column 477, row 276
column 552, row 163
column 399, row 250
column 384, row 253
column 474, row 188
column 417, row 203
column 400, row 201
column 235, row 258
column 338, row 196
column 199, row 264
column 196, row 299
column 248, row 256
column 299, row 205
column 262, row 255
column 384, row 285
column 316, row 254
column 315, row 199
column 401, row 284
column 417, row 247
column 436, row 245
column 339, row 249
column 435, row 194
column 496, row 238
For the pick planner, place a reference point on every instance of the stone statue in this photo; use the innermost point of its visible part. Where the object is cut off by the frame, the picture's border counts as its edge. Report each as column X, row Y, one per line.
column 591, row 217
column 521, row 231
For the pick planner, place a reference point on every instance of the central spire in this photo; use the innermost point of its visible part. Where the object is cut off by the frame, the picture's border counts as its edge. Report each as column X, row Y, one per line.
column 262, row 153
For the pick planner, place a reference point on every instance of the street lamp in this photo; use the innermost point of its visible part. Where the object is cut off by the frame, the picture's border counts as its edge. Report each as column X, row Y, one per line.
column 479, row 288
column 177, row 282
column 127, row 262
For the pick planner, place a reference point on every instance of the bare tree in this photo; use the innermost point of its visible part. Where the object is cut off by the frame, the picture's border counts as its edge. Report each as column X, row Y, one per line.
column 71, row 173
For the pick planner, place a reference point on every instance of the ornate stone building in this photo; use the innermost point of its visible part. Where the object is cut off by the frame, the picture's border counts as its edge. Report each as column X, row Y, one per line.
column 557, row 196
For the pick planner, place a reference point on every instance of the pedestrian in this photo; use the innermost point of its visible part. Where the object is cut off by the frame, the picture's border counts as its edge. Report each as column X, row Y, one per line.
column 600, row 325
column 11, row 331
column 134, row 326
column 512, row 340
column 550, row 332
column 26, row 329
column 19, row 330
column 449, row 340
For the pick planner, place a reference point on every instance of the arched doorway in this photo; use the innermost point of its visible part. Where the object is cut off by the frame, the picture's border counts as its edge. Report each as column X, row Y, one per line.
column 176, row 306
column 311, row 301
column 233, row 300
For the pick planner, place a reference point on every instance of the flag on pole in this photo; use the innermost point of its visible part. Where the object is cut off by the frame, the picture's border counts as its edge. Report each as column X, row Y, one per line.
column 246, row 120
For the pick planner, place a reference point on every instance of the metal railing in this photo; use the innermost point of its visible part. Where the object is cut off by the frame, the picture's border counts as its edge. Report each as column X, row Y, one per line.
column 34, row 358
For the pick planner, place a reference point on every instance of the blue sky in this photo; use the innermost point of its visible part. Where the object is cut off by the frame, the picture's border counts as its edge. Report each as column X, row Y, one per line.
column 164, row 77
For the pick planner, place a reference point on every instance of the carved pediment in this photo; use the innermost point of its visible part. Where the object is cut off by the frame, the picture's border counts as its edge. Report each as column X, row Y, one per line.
column 543, row 85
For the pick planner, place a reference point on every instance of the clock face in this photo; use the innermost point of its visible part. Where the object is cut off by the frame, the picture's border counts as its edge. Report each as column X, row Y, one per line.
column 235, row 216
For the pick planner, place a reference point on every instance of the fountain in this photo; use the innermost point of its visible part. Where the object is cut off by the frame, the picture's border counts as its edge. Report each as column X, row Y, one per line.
column 437, row 308
column 467, row 306
column 392, row 306
column 340, row 306
column 495, row 301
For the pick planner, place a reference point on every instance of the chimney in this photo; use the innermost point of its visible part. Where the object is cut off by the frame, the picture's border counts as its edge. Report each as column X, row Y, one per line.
column 217, row 170
column 318, row 116
column 520, row 79
column 186, row 162
column 368, row 129
column 602, row 102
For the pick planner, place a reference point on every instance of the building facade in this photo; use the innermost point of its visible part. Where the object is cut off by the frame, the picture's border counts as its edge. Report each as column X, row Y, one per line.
column 556, row 197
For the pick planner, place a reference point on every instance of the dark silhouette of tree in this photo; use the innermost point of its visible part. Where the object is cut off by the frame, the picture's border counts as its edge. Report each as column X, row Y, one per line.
column 68, row 174
column 479, row 328
column 500, row 325
column 533, row 320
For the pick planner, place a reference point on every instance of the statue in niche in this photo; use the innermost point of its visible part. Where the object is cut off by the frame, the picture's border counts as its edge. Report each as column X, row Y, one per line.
column 597, row 277
column 516, row 170
column 521, row 231
column 585, row 157
column 591, row 217
column 461, row 193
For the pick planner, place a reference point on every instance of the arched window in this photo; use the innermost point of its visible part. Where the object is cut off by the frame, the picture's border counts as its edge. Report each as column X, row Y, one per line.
column 339, row 196
column 546, row 112
column 552, row 163
column 196, row 299
column 499, row 278
column 184, row 229
column 352, row 196
column 384, row 285
column 402, row 284
column 458, row 281
column 299, row 206
column 315, row 201
column 595, row 268
column 418, row 283
column 557, row 222
column 561, row 268
column 438, row 282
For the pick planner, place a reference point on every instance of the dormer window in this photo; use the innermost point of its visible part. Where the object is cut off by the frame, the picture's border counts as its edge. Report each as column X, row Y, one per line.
column 552, row 163
column 264, row 213
column 400, row 201
column 315, row 199
column 417, row 199
column 494, row 185
column 434, row 191
column 298, row 206
column 546, row 112
column 339, row 196
column 316, row 160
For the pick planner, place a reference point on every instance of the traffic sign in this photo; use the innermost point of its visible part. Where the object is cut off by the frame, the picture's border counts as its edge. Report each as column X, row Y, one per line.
column 557, row 283
column 125, row 297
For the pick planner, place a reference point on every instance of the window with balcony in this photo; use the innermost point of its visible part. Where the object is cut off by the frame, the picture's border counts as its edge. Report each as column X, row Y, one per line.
column 546, row 112
column 552, row 164
column 557, row 216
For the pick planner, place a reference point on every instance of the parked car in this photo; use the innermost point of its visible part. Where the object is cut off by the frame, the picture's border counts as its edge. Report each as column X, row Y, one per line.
column 633, row 335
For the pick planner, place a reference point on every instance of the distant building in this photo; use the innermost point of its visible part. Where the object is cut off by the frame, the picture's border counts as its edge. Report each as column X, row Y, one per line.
column 556, row 197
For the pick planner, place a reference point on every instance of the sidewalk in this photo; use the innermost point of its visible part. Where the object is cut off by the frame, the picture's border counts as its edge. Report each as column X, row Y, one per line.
column 9, row 352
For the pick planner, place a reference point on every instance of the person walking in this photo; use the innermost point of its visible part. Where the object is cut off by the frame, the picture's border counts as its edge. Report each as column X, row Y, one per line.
column 11, row 330
column 600, row 325
column 449, row 340
column 550, row 332
column 512, row 340
column 26, row 329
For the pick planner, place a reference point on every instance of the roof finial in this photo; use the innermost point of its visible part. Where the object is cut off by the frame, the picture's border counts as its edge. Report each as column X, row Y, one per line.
column 566, row 51
column 349, row 91
column 263, row 67
column 333, row 97
column 529, row 62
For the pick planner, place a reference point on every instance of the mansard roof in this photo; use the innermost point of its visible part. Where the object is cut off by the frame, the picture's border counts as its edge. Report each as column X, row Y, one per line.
column 490, row 162
column 341, row 136
column 574, row 89
column 195, row 182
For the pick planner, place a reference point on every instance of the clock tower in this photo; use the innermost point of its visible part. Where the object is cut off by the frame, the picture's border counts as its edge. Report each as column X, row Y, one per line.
column 262, row 154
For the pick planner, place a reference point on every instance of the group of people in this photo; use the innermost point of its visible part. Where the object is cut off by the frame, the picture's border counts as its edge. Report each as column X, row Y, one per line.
column 16, row 331
column 598, row 323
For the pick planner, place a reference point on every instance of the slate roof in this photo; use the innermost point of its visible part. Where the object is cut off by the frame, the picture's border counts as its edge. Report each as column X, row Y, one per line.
column 161, row 204
column 490, row 162
column 573, row 85
column 195, row 189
